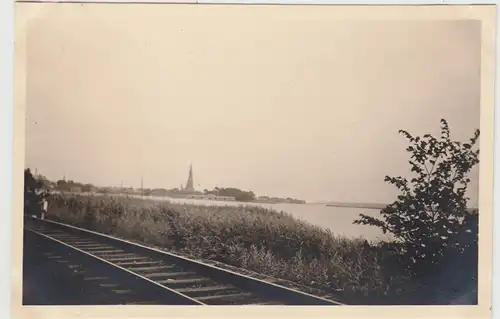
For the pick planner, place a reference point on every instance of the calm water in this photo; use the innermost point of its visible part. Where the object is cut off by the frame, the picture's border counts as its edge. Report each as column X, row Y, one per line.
column 337, row 219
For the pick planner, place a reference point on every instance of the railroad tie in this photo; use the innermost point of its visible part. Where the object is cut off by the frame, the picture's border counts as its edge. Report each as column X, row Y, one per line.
column 79, row 242
column 129, row 256
column 170, row 274
column 151, row 268
column 267, row 303
column 142, row 303
column 109, row 285
column 229, row 296
column 105, row 252
column 137, row 263
column 205, row 289
column 90, row 246
column 95, row 278
column 190, row 281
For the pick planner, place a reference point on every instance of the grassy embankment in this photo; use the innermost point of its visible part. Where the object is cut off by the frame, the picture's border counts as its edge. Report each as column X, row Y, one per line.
column 252, row 238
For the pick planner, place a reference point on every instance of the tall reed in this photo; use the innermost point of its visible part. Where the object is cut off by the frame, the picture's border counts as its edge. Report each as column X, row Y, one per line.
column 258, row 239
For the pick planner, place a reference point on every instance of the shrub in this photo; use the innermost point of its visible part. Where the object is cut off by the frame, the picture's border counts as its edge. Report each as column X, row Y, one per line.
column 427, row 218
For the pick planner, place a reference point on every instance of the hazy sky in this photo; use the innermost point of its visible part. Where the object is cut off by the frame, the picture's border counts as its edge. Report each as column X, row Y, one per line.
column 306, row 107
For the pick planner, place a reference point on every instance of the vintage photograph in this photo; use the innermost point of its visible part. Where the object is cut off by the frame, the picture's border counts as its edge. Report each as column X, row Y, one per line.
column 238, row 155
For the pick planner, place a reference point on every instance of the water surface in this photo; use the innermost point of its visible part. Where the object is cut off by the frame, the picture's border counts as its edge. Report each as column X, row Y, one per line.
column 338, row 219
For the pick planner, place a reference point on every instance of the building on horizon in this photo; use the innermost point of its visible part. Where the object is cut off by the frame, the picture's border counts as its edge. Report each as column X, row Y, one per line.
column 189, row 188
column 190, row 192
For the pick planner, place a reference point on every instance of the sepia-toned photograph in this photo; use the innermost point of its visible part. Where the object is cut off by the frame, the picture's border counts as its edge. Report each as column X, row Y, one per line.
column 251, row 155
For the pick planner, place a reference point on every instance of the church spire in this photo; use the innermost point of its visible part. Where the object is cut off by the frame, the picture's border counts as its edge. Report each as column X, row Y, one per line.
column 190, row 182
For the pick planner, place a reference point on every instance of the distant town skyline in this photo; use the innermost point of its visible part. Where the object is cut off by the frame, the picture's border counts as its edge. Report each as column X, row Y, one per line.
column 309, row 109
column 189, row 185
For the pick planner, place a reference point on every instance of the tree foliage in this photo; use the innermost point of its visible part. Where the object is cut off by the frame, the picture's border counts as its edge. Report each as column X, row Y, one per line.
column 431, row 210
column 238, row 194
column 33, row 193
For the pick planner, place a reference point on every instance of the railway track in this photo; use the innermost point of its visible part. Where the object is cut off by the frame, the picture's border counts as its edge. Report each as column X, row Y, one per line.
column 167, row 277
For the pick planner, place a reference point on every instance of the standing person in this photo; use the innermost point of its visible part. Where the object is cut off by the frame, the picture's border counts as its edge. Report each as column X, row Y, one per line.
column 45, row 205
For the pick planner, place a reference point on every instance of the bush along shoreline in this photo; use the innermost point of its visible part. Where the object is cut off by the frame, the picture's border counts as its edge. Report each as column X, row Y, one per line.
column 434, row 232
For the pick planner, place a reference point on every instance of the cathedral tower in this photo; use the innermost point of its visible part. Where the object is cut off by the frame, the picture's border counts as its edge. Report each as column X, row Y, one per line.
column 190, row 182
